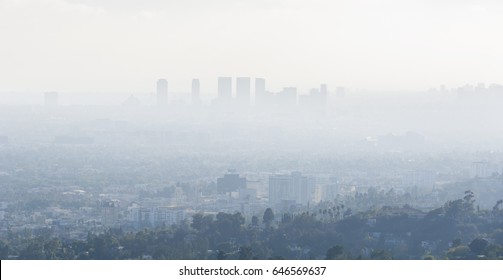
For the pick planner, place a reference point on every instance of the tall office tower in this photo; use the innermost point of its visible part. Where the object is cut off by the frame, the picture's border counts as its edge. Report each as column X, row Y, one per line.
column 323, row 94
column 260, row 91
column 51, row 99
column 231, row 182
column 243, row 90
column 196, row 90
column 419, row 181
column 162, row 92
column 224, row 88
column 109, row 212
column 323, row 89
column 330, row 190
column 287, row 190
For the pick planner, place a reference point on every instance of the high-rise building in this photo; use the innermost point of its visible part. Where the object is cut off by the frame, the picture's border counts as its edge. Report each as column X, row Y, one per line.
column 323, row 89
column 224, row 88
column 293, row 188
column 196, row 99
column 109, row 212
column 162, row 92
column 320, row 97
column 243, row 90
column 145, row 217
column 419, row 181
column 288, row 96
column 51, row 99
column 330, row 190
column 483, row 169
column 231, row 182
column 323, row 94
column 259, row 86
column 260, row 91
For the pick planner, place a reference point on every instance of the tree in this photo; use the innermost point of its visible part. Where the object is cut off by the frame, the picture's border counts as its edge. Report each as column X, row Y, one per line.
column 268, row 217
column 461, row 210
column 458, row 253
column 221, row 255
column 455, row 210
column 197, row 221
column 245, row 253
column 478, row 246
column 469, row 199
column 497, row 235
column 380, row 255
column 4, row 250
column 229, row 225
column 429, row 257
column 52, row 248
column 34, row 251
column 335, row 253
column 494, row 252
column 456, row 242
column 201, row 222
column 348, row 212
column 497, row 206
column 286, row 218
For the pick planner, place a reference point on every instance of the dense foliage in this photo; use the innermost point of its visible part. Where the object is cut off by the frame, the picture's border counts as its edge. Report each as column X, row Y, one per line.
column 458, row 230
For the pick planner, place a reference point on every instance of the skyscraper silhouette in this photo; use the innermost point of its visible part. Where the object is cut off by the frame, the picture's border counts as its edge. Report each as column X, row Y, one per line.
column 323, row 89
column 224, row 88
column 196, row 99
column 260, row 91
column 291, row 189
column 323, row 95
column 162, row 92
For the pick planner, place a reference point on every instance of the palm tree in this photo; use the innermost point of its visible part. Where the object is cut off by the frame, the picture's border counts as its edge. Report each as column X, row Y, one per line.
column 497, row 206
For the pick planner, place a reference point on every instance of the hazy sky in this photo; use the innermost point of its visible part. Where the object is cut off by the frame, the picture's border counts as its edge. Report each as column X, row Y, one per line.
column 124, row 45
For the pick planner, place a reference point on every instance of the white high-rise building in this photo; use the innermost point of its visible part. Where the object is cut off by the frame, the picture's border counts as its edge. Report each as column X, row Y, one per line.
column 196, row 91
column 224, row 88
column 293, row 188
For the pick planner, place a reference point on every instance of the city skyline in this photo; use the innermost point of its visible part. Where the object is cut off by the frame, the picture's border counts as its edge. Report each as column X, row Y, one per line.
column 255, row 92
column 273, row 130
column 383, row 45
